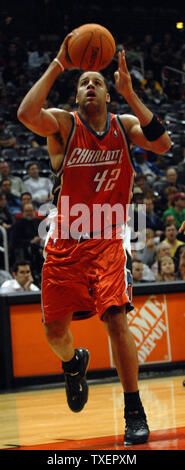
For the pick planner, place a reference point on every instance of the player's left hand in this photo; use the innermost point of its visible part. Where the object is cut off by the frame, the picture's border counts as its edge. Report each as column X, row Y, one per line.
column 122, row 76
column 182, row 227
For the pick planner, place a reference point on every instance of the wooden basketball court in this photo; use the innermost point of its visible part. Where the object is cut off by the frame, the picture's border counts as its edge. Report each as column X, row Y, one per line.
column 41, row 420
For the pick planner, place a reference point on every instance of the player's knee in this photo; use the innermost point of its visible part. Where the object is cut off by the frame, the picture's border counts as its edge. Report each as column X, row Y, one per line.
column 53, row 331
column 116, row 322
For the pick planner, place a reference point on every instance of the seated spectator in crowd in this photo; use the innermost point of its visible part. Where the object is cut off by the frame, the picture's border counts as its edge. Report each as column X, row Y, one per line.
column 142, row 165
column 147, row 274
column 22, row 279
column 167, row 199
column 177, row 209
column 13, row 202
column 17, row 185
column 181, row 263
column 163, row 249
column 171, row 238
column 27, row 198
column 180, row 253
column 169, row 219
column 171, row 179
column 140, row 181
column 6, row 218
column 137, row 271
column 24, row 239
column 152, row 88
column 137, row 197
column 4, row 276
column 39, row 186
column 37, row 59
column 7, row 139
column 153, row 221
column 149, row 81
column 148, row 254
column 182, row 269
column 166, row 269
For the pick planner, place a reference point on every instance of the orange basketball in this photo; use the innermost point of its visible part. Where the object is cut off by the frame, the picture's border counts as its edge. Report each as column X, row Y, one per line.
column 92, row 47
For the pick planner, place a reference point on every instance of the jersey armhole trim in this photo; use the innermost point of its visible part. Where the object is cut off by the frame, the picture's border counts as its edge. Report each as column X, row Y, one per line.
column 60, row 168
column 125, row 136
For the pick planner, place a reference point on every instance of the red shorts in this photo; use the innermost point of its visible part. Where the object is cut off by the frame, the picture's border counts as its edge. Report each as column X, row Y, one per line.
column 89, row 276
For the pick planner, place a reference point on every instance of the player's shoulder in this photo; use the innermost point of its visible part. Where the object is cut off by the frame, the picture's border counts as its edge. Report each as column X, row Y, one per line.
column 128, row 120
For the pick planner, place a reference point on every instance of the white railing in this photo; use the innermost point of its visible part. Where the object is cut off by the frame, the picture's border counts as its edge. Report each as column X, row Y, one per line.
column 172, row 69
column 4, row 248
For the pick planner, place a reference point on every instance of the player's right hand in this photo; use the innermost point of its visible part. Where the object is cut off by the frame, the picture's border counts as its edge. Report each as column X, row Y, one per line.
column 63, row 55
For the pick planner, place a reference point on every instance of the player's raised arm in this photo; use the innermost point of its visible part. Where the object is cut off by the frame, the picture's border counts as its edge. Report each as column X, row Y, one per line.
column 144, row 129
column 31, row 111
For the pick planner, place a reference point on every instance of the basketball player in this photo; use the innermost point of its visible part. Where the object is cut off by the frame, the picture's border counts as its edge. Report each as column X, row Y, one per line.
column 89, row 149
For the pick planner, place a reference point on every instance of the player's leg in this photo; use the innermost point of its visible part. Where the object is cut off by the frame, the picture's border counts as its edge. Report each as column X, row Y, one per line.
column 74, row 361
column 123, row 348
column 60, row 338
column 126, row 362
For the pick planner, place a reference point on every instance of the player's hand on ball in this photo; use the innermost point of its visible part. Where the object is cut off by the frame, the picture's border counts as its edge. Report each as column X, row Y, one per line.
column 63, row 55
column 122, row 77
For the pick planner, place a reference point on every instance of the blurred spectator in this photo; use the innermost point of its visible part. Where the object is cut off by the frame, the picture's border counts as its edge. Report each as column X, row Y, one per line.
column 23, row 280
column 141, row 165
column 13, row 202
column 17, row 185
column 150, row 82
column 25, row 199
column 152, row 220
column 177, row 210
column 4, row 276
column 170, row 179
column 137, row 271
column 168, row 196
column 11, row 73
column 181, row 263
column 166, row 269
column 24, row 239
column 182, row 269
column 6, row 218
column 7, row 139
column 152, row 88
column 39, row 186
column 38, row 59
column 140, row 180
column 147, row 274
column 169, row 219
column 137, row 197
column 148, row 254
column 171, row 238
column 162, row 249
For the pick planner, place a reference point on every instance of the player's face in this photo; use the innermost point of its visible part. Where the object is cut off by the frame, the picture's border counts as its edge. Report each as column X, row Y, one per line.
column 92, row 90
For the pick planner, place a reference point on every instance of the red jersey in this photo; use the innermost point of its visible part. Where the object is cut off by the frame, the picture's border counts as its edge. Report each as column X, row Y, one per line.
column 97, row 173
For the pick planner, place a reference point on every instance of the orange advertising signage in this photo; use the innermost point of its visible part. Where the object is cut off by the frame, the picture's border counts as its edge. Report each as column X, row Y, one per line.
column 157, row 324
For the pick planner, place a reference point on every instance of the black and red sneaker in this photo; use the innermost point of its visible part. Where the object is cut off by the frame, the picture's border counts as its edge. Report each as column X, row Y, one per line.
column 136, row 430
column 75, row 381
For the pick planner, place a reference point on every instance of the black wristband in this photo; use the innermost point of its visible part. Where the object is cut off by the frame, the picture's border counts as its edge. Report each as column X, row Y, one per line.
column 154, row 129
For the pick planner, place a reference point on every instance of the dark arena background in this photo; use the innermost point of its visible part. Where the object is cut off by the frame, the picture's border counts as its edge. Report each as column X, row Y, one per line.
column 33, row 409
